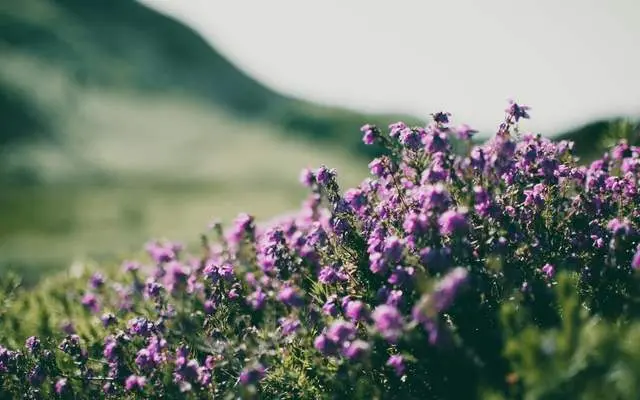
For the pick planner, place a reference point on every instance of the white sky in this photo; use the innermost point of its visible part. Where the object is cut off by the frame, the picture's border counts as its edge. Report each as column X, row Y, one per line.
column 571, row 60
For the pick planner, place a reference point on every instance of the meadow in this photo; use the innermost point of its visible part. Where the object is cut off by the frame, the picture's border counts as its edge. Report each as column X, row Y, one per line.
column 509, row 271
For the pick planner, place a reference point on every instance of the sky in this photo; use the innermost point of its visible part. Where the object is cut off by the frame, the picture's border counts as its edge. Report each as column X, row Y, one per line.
column 572, row 61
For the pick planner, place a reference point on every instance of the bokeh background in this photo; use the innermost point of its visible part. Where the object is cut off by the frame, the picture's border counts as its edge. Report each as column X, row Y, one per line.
column 122, row 121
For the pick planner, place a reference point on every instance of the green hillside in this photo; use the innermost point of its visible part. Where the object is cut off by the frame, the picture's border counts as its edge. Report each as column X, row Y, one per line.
column 120, row 124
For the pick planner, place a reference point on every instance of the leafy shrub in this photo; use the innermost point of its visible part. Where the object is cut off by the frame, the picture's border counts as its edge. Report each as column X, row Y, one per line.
column 510, row 272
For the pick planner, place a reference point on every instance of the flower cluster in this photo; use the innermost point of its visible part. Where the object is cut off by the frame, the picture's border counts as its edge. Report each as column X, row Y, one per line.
column 394, row 286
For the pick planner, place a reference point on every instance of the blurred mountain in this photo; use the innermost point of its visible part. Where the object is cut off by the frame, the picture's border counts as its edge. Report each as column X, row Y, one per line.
column 58, row 54
column 120, row 124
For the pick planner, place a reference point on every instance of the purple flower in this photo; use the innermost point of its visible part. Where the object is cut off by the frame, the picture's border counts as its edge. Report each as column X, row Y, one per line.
column 393, row 248
column 325, row 345
column 176, row 276
column 130, row 266
column 340, row 331
column 61, row 386
column 517, row 111
column 32, row 344
column 356, row 310
column 90, row 302
column 96, row 281
column 377, row 167
column 447, row 289
column 397, row 363
column 410, row 139
column 252, row 375
column 394, row 298
column 110, row 349
column 370, row 134
column 153, row 289
column 396, row 128
column 108, row 319
column 257, row 299
column 331, row 274
column 464, row 132
column 388, row 322
column 143, row 359
column 140, row 326
column 356, row 350
column 307, row 178
column 325, row 175
column 209, row 307
column 441, row 117
column 453, row 222
column 548, row 270
column 290, row 297
column 134, row 382
column 289, row 325
column 225, row 271
column 330, row 308
column 635, row 263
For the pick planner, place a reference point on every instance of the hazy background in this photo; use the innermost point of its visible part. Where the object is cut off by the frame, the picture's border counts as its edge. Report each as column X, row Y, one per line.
column 123, row 121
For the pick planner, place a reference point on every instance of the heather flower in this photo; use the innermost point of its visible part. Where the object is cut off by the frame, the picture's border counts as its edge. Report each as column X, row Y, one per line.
column 548, row 270
column 464, row 132
column 377, row 167
column 370, row 134
column 356, row 350
column 329, row 307
column 396, row 128
column 517, row 111
column 32, row 344
column 290, row 297
column 135, row 382
column 635, row 263
column 61, row 386
column 356, row 310
column 307, row 178
column 410, row 139
column 435, row 142
column 340, row 331
column 388, row 322
column 143, row 359
column 90, row 302
column 325, row 175
column 453, row 222
column 434, row 197
column 441, row 117
column 96, row 281
column 400, row 275
column 108, row 319
column 397, row 363
column 289, row 325
column 153, row 289
column 257, row 299
column 331, row 274
column 618, row 227
column 394, row 298
column 225, row 271
column 325, row 345
column 448, row 288
column 140, row 326
column 161, row 253
column 252, row 375
column 176, row 276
